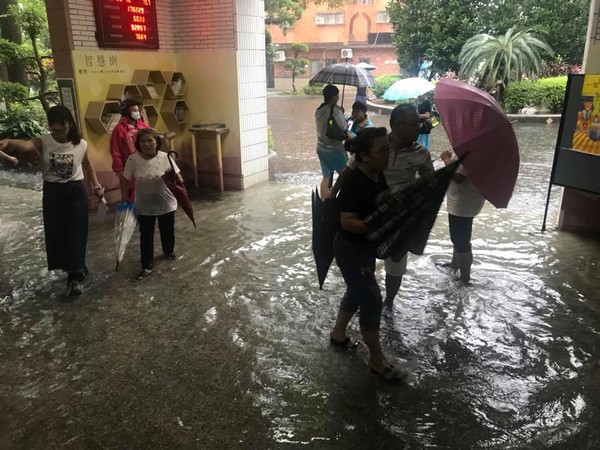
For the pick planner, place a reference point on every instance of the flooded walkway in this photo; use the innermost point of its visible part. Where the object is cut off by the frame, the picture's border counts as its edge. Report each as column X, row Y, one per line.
column 227, row 347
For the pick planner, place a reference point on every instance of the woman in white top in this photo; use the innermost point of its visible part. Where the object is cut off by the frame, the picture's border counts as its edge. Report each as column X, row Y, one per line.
column 153, row 199
column 463, row 202
column 65, row 164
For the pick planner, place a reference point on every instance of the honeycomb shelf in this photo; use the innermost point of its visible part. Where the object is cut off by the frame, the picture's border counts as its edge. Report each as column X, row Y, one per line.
column 100, row 115
column 175, row 113
column 122, row 91
column 151, row 83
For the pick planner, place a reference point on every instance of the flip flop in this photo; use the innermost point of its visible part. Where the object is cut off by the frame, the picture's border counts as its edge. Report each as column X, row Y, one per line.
column 346, row 344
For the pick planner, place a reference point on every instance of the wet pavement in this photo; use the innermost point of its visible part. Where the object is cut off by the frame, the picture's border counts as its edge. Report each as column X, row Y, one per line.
column 227, row 346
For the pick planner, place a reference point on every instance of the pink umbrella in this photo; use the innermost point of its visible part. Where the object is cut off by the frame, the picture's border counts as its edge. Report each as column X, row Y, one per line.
column 476, row 124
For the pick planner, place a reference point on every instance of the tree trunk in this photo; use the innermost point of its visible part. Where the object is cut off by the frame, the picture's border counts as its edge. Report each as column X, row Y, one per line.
column 43, row 76
column 10, row 30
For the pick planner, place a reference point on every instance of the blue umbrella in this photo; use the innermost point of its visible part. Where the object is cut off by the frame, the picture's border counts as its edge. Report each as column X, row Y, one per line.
column 408, row 88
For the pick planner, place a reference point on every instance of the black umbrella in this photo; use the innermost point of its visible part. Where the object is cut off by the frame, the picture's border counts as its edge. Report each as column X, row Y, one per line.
column 326, row 223
column 403, row 221
column 345, row 74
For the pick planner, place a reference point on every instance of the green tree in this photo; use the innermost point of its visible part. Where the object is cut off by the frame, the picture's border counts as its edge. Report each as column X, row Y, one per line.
column 437, row 29
column 564, row 21
column 496, row 60
column 412, row 22
column 297, row 65
column 34, row 55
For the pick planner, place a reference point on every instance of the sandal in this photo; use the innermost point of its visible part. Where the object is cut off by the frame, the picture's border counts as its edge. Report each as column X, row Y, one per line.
column 391, row 374
column 346, row 344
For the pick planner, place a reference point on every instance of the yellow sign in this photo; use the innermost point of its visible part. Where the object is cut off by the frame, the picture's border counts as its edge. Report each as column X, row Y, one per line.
column 586, row 137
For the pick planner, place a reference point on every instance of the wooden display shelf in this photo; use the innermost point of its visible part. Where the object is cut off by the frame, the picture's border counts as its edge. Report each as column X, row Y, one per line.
column 176, row 85
column 151, row 83
column 151, row 114
column 100, row 115
column 122, row 91
column 175, row 113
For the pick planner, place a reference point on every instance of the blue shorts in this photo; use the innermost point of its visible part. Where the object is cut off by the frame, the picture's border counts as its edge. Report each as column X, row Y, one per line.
column 332, row 162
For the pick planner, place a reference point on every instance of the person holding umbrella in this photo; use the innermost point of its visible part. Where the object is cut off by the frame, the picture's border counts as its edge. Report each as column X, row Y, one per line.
column 355, row 255
column 154, row 201
column 332, row 156
column 463, row 202
column 65, row 164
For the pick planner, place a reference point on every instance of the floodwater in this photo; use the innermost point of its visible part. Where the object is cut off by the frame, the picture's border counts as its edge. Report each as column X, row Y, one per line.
column 227, row 347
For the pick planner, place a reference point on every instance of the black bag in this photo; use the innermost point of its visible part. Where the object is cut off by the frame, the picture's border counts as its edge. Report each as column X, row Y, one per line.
column 426, row 126
column 333, row 129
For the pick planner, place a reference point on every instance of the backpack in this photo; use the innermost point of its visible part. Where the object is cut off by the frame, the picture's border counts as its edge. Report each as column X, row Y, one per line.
column 333, row 129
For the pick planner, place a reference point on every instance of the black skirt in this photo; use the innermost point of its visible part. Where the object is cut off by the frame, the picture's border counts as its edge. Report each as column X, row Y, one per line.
column 65, row 208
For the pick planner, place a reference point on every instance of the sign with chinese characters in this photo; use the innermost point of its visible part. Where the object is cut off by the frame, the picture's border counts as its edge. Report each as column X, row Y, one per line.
column 100, row 64
column 126, row 23
column 66, row 92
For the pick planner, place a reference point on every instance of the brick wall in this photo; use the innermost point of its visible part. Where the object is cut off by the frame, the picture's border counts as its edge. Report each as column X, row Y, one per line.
column 203, row 24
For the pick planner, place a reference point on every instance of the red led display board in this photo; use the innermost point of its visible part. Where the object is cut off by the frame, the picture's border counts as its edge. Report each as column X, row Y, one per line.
column 126, row 23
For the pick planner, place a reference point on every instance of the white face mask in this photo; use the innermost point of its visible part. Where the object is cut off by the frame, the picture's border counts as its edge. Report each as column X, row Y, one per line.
column 135, row 115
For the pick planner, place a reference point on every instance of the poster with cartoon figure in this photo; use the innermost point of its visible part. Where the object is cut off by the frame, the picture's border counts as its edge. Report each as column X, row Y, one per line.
column 61, row 165
column 586, row 137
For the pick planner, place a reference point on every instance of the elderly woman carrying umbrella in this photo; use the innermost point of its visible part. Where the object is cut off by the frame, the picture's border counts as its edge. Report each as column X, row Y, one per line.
column 154, row 201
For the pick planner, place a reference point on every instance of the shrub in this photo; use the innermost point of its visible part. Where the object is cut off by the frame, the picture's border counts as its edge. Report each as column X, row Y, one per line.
column 315, row 89
column 543, row 93
column 384, row 82
column 21, row 123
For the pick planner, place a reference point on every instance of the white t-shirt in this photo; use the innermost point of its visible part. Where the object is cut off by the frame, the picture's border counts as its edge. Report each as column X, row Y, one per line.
column 61, row 162
column 152, row 196
column 463, row 199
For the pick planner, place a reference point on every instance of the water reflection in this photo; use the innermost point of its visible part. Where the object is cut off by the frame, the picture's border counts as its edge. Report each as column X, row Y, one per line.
column 226, row 347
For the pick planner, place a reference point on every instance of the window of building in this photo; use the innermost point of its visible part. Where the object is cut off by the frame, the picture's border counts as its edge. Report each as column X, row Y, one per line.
column 329, row 62
column 329, row 19
column 363, row 2
column 383, row 17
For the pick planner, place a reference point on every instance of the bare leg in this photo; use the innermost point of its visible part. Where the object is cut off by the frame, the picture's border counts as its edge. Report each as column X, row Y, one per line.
column 339, row 329
column 392, row 286
column 325, row 188
column 376, row 356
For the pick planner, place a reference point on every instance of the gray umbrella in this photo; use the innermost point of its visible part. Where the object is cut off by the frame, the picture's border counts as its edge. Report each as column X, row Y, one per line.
column 345, row 74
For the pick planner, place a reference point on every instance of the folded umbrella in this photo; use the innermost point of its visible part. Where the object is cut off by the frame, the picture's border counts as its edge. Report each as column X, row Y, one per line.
column 476, row 124
column 326, row 223
column 403, row 221
column 125, row 222
column 178, row 189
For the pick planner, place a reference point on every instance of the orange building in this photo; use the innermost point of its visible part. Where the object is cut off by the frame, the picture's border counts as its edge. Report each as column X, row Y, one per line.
column 363, row 26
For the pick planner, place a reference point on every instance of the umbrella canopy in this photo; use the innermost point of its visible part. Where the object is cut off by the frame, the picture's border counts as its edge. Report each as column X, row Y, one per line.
column 125, row 223
column 403, row 221
column 179, row 190
column 345, row 74
column 366, row 66
column 326, row 223
column 408, row 88
column 476, row 124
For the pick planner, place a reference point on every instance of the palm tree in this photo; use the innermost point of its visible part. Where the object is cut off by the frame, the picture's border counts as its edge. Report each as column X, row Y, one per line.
column 497, row 60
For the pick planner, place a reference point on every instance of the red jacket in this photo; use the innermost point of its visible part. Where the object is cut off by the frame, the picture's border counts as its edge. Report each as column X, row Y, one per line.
column 122, row 142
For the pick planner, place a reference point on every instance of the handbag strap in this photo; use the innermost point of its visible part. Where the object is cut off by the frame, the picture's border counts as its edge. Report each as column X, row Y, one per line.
column 170, row 160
